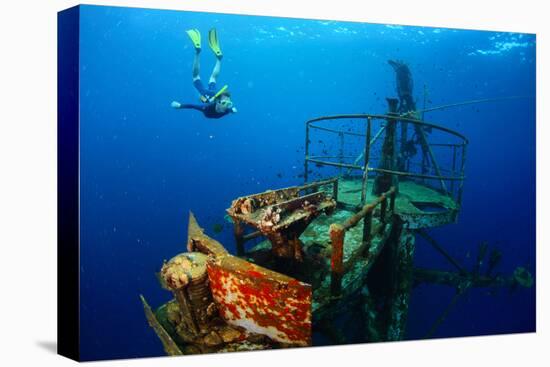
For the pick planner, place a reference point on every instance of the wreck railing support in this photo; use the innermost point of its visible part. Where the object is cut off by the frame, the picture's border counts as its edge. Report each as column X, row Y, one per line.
column 367, row 227
column 383, row 208
column 462, row 168
column 306, row 160
column 427, row 154
column 335, row 190
column 366, row 165
column 392, row 201
column 426, row 146
column 388, row 152
column 453, row 169
column 337, row 233
column 372, row 141
column 337, row 236
column 238, row 231
column 341, row 152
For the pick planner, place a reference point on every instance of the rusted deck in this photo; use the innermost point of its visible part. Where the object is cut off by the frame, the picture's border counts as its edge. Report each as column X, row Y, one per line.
column 418, row 205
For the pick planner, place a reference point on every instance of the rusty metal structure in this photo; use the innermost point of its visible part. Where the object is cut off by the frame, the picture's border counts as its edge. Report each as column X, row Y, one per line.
column 224, row 303
column 337, row 258
column 281, row 216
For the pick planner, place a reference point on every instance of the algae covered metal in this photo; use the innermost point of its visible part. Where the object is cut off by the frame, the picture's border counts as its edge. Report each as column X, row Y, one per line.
column 331, row 261
column 224, row 303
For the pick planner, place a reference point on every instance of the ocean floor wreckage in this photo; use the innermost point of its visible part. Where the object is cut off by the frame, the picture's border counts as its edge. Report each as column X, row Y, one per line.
column 337, row 250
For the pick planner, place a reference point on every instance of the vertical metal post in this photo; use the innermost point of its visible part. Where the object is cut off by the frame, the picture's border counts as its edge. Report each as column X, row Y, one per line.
column 306, row 153
column 453, row 170
column 426, row 147
column 462, row 168
column 392, row 201
column 337, row 234
column 238, row 231
column 401, row 164
column 367, row 227
column 341, row 152
column 335, row 190
column 383, row 209
column 364, row 184
column 388, row 159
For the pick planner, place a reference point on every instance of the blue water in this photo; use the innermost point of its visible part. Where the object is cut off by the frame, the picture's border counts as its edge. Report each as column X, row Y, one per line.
column 144, row 166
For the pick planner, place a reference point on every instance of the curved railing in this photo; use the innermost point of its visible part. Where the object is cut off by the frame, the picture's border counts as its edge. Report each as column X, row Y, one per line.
column 429, row 170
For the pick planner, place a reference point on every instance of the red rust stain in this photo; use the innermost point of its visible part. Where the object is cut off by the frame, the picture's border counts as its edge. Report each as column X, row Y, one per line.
column 255, row 274
column 266, row 302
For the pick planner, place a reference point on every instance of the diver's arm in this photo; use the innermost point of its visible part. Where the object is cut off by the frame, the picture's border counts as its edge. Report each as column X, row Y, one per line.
column 178, row 105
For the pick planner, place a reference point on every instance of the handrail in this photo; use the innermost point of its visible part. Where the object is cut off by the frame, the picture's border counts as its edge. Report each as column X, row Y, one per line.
column 337, row 233
column 335, row 131
column 440, row 174
column 381, row 170
column 386, row 117
column 335, row 164
column 418, row 175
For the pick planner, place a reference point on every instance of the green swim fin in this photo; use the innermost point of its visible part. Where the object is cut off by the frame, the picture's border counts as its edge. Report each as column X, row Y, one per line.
column 214, row 43
column 195, row 36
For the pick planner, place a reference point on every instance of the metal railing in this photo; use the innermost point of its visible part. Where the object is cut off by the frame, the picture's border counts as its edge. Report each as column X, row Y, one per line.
column 440, row 176
column 338, row 231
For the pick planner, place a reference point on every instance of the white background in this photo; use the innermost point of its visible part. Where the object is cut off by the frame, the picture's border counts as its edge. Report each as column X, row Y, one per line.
column 28, row 182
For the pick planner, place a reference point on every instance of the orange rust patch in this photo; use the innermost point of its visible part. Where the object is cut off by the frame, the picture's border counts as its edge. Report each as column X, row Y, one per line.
column 249, row 296
column 256, row 274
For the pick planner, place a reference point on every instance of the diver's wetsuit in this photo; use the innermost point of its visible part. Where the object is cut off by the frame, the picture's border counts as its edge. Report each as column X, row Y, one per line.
column 208, row 108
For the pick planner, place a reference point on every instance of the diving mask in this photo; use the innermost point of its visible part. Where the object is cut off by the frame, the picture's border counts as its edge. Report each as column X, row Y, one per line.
column 227, row 103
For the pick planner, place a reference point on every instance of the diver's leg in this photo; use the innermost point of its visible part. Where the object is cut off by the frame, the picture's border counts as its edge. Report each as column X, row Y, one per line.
column 216, row 71
column 196, row 65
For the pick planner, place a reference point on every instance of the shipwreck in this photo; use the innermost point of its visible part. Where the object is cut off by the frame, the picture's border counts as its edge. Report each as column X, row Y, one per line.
column 336, row 248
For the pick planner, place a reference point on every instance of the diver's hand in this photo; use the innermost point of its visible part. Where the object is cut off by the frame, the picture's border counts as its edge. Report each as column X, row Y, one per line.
column 175, row 104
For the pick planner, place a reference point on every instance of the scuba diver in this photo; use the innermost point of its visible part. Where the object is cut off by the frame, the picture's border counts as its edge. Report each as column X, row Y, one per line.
column 216, row 104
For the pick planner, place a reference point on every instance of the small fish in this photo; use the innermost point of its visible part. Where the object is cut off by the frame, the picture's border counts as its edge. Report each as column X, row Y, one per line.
column 217, row 228
column 280, row 175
